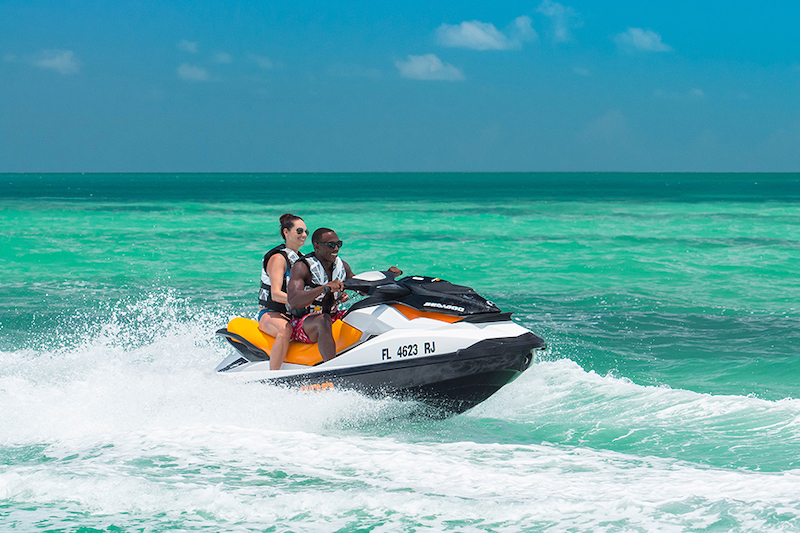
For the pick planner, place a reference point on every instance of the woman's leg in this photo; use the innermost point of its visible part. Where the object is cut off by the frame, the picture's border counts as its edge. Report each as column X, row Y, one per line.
column 278, row 326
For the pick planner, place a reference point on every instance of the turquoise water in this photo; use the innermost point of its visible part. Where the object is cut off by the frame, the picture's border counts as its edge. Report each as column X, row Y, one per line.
column 668, row 399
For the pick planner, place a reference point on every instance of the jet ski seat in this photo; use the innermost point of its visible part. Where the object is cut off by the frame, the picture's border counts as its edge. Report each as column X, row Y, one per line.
column 299, row 353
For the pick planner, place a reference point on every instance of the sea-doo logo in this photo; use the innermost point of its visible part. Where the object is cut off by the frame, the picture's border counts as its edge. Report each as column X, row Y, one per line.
column 317, row 386
column 449, row 307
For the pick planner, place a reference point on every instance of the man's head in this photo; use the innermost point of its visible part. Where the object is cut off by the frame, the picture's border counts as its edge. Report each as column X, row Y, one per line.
column 326, row 244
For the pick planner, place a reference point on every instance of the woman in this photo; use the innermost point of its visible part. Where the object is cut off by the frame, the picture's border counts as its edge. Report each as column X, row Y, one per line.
column 273, row 318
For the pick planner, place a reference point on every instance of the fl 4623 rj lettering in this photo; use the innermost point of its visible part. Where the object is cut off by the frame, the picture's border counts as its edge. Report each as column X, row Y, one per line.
column 408, row 350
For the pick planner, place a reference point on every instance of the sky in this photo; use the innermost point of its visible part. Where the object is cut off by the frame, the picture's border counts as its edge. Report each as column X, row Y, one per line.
column 414, row 86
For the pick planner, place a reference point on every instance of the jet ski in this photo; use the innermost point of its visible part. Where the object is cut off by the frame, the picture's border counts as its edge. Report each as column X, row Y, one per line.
column 417, row 338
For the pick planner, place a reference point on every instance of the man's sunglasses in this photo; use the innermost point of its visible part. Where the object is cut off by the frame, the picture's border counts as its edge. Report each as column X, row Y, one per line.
column 300, row 231
column 332, row 245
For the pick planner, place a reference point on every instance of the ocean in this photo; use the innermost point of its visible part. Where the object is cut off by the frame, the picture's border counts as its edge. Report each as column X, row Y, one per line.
column 668, row 399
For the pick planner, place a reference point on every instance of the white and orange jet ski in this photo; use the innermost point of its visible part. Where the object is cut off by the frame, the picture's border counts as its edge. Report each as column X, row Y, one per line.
column 417, row 338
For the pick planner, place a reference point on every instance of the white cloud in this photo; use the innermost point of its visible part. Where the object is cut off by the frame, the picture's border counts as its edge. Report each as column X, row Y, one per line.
column 643, row 40
column 580, row 71
column 691, row 94
column 62, row 61
column 522, row 30
column 611, row 127
column 428, row 67
column 187, row 46
column 262, row 61
column 192, row 73
column 9, row 58
column 478, row 35
column 696, row 94
column 610, row 140
column 222, row 57
column 475, row 35
column 563, row 19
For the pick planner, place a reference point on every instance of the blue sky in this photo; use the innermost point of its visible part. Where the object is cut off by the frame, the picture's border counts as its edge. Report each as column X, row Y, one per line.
column 97, row 86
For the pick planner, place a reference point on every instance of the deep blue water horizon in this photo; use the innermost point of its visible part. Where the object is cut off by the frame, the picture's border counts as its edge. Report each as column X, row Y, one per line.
column 668, row 398
column 675, row 186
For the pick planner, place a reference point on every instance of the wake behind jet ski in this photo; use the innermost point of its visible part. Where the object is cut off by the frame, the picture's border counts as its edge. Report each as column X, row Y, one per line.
column 415, row 338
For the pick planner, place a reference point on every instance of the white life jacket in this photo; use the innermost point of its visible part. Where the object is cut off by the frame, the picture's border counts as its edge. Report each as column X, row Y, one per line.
column 319, row 277
column 265, row 293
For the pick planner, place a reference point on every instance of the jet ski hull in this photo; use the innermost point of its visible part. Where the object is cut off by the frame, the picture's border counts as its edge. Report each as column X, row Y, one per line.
column 418, row 338
column 452, row 382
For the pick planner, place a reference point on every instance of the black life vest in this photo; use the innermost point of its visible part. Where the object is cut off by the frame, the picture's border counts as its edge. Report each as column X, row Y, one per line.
column 265, row 293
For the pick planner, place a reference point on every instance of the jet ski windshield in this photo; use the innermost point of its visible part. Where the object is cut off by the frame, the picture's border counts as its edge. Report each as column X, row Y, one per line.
column 420, row 292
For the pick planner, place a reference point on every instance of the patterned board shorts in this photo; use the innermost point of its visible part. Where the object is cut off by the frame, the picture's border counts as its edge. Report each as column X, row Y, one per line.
column 299, row 334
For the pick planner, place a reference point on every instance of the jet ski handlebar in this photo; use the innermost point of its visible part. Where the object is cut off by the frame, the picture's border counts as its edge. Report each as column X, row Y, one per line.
column 369, row 282
column 419, row 292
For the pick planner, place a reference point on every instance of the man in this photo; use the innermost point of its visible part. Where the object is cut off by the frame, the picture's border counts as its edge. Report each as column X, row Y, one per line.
column 315, row 289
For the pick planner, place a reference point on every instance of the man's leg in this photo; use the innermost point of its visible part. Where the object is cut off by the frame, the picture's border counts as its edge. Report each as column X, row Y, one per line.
column 318, row 329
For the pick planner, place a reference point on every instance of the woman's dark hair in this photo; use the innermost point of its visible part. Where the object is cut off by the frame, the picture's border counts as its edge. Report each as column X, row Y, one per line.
column 287, row 221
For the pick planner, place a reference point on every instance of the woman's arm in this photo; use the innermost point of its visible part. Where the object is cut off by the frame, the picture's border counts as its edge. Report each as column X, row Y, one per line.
column 276, row 270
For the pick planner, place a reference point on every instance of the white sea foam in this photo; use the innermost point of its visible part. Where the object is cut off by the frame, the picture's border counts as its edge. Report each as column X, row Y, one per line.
column 231, row 475
column 559, row 401
column 564, row 381
column 143, row 434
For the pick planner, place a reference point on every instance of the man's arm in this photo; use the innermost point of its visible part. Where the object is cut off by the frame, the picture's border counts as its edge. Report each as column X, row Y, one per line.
column 298, row 297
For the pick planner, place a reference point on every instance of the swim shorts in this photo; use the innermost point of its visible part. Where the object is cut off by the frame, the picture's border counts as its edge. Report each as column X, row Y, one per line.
column 265, row 311
column 299, row 334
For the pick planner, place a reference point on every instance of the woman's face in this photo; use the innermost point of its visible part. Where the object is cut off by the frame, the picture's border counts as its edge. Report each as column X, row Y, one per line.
column 294, row 239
